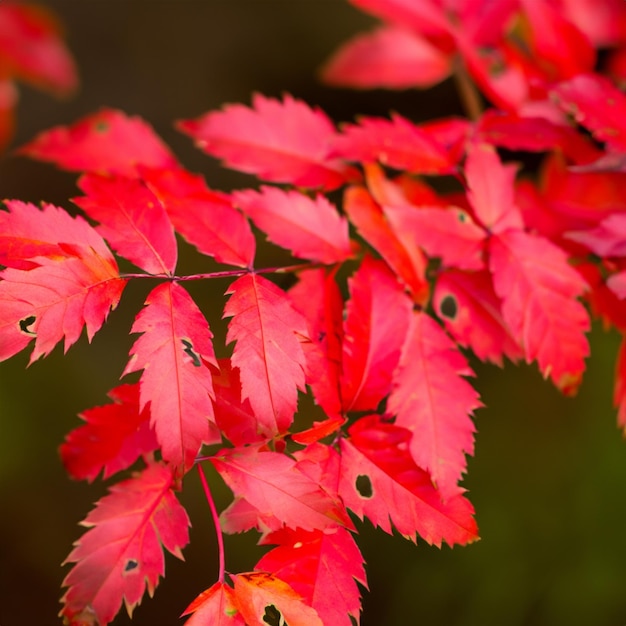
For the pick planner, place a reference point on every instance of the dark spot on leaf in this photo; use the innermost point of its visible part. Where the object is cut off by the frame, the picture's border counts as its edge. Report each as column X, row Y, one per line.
column 101, row 126
column 273, row 616
column 448, row 307
column 461, row 216
column 364, row 486
column 131, row 564
column 26, row 323
column 190, row 351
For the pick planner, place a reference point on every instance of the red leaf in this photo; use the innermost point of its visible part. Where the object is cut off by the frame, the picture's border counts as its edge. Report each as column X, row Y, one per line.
column 216, row 606
column 281, row 142
column 377, row 318
column 32, row 48
column 273, row 484
column 380, row 481
column 396, row 143
column 108, row 141
column 114, row 436
column 538, row 289
column 407, row 261
column 607, row 239
column 257, row 590
column 74, row 281
column 390, row 58
column 322, row 567
column 233, row 415
column 470, row 309
column 268, row 351
column 325, row 328
column 132, row 220
column 309, row 228
column 443, row 432
column 205, row 218
column 122, row 553
column 450, row 233
column 173, row 352
column 491, row 189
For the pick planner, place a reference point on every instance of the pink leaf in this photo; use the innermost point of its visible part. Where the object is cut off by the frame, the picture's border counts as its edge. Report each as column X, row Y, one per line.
column 310, row 228
column 282, row 142
column 268, row 352
column 122, row 553
column 132, row 220
column 538, row 289
column 443, row 432
column 174, row 353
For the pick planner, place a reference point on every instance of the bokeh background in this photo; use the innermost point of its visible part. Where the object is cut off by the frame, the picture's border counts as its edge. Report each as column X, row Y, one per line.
column 549, row 476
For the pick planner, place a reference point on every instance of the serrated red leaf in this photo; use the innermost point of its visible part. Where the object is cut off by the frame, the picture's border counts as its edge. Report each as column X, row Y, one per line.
column 32, row 48
column 310, row 228
column 396, row 490
column 114, row 436
column 607, row 239
column 266, row 329
column 71, row 279
column 257, row 590
column 323, row 567
column 377, row 318
column 281, row 493
column 216, row 606
column 538, row 289
column 491, row 189
column 443, row 432
column 205, row 218
column 408, row 262
column 132, row 220
column 174, row 352
column 281, row 142
column 391, row 58
column 396, row 143
column 325, row 327
column 107, row 141
column 122, row 554
column 471, row 311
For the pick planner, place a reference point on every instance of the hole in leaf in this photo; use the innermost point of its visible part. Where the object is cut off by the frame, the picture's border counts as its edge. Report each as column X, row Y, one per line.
column 195, row 359
column 364, row 486
column 26, row 323
column 273, row 616
column 131, row 564
column 448, row 307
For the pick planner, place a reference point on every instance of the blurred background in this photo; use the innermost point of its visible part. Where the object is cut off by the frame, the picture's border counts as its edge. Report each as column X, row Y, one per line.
column 549, row 476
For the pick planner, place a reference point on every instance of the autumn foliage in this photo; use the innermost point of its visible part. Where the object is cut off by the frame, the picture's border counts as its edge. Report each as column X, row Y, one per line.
column 392, row 281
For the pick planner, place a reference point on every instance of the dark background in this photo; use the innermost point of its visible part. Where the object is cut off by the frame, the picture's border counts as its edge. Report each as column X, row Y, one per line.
column 549, row 476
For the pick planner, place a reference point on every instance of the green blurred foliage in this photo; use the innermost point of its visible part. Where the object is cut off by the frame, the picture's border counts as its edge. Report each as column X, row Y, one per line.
column 549, row 476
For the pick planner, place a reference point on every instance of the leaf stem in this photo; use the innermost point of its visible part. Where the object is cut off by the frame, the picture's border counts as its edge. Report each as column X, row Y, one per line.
column 470, row 96
column 216, row 522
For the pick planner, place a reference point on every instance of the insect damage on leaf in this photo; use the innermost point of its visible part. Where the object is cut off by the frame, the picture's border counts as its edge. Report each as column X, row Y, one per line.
column 273, row 616
column 448, row 307
column 26, row 323
column 363, row 485
column 195, row 359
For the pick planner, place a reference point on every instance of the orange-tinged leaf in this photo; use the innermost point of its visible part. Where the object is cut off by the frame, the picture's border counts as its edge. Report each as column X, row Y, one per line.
column 132, row 220
column 323, row 567
column 267, row 352
column 281, row 142
column 282, row 494
column 380, row 481
column 256, row 591
column 107, row 141
column 174, row 352
column 216, row 606
column 539, row 291
column 114, row 436
column 121, row 555
column 310, row 227
column 443, row 432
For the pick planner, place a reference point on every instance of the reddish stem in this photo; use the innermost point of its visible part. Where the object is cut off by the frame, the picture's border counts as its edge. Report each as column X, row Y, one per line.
column 216, row 522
